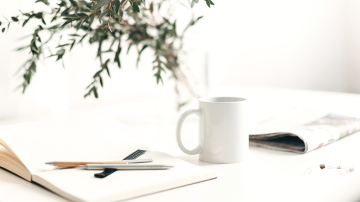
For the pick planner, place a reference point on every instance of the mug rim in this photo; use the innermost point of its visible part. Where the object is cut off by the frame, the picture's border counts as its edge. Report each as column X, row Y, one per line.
column 225, row 98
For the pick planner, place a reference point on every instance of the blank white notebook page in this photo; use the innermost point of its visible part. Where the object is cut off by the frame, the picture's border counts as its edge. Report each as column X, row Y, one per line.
column 81, row 185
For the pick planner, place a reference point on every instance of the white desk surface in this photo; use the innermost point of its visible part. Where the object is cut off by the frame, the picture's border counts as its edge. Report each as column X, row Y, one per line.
column 267, row 175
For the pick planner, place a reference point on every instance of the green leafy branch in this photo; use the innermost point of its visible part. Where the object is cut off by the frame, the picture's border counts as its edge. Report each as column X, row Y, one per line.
column 126, row 24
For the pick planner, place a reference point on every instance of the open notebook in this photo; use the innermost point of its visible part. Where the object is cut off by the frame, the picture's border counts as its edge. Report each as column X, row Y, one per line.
column 25, row 147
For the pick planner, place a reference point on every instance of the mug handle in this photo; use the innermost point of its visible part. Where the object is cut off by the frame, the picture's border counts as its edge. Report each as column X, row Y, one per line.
column 198, row 149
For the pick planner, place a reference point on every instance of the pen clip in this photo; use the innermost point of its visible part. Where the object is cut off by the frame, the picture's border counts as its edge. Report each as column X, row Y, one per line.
column 105, row 173
column 109, row 171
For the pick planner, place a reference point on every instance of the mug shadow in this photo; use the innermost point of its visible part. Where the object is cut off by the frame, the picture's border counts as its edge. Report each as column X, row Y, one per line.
column 194, row 159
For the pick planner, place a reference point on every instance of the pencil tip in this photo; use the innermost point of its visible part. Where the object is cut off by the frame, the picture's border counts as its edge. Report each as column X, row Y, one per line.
column 50, row 163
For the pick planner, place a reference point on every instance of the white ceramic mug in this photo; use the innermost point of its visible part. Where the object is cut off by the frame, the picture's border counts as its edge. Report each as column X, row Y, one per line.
column 223, row 134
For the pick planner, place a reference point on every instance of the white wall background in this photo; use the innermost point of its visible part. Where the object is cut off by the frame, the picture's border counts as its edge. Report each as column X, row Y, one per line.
column 352, row 45
column 312, row 44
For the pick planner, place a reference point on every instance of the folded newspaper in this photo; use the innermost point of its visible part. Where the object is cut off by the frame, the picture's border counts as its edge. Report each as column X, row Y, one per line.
column 302, row 130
